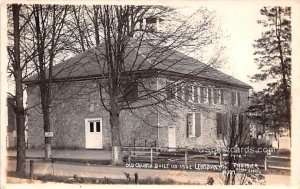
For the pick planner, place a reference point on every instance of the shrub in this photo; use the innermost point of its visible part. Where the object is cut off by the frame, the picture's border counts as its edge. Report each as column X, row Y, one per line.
column 156, row 180
column 210, row 181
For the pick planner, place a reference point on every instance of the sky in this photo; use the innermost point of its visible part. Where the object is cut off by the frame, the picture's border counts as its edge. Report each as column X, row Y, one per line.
column 239, row 25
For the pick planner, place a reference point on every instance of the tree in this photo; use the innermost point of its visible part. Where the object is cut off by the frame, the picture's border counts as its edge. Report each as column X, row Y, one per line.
column 134, row 48
column 47, row 27
column 234, row 130
column 41, row 39
column 18, row 68
column 273, row 56
column 259, row 110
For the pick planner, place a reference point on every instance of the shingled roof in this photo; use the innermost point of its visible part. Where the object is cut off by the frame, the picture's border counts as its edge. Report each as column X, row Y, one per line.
column 91, row 64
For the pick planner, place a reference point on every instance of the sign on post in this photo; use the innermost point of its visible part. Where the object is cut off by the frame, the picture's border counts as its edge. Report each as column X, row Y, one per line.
column 48, row 134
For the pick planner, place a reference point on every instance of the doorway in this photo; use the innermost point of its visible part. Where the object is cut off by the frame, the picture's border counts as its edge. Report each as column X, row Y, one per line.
column 93, row 133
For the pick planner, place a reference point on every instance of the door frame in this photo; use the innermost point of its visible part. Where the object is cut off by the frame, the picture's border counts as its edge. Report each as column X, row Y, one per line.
column 86, row 127
column 174, row 136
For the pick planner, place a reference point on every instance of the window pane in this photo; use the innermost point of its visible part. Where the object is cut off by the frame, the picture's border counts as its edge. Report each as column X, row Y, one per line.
column 222, row 96
column 98, row 126
column 91, row 127
column 170, row 90
column 190, row 93
column 131, row 91
column 232, row 98
column 186, row 93
column 189, row 124
column 197, row 124
column 202, row 95
column 209, row 95
column 216, row 96
column 179, row 92
column 196, row 94
column 219, row 124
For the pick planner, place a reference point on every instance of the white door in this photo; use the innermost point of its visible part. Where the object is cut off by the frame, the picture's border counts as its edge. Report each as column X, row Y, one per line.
column 93, row 133
column 171, row 137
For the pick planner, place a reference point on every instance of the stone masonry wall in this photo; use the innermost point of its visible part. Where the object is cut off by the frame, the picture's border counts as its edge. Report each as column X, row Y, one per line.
column 73, row 103
column 76, row 101
column 208, row 112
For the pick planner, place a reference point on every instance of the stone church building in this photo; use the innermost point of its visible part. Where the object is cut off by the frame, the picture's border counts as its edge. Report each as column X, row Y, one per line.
column 79, row 121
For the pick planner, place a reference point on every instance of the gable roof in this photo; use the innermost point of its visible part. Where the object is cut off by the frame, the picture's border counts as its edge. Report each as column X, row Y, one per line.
column 91, row 64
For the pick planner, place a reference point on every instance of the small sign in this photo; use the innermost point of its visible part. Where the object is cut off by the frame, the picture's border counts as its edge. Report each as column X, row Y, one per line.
column 275, row 144
column 48, row 134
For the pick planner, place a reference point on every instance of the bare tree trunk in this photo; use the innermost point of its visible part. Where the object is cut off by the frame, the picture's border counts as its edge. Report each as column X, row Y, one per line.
column 46, row 122
column 44, row 89
column 230, row 177
column 20, row 122
column 117, row 155
column 19, row 108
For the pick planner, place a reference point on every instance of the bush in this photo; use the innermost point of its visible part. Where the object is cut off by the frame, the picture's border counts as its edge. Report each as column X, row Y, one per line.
column 156, row 180
column 210, row 181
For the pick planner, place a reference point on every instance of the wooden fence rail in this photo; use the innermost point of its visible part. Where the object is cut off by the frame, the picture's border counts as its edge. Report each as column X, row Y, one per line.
column 186, row 155
column 269, row 160
column 157, row 153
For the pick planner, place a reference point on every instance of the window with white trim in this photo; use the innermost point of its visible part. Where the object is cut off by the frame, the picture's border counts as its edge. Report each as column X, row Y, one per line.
column 235, row 98
column 170, row 90
column 196, row 93
column 218, row 96
column 131, row 91
column 193, row 124
column 203, row 94
column 188, row 93
column 222, row 125
column 210, row 95
column 179, row 92
column 95, row 126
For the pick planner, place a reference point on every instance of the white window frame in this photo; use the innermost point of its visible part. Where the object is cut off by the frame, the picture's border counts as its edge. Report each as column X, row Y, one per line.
column 211, row 94
column 192, row 98
column 94, row 120
column 219, row 99
column 177, row 88
column 205, row 88
column 199, row 93
column 173, row 89
column 193, row 133
column 220, row 96
column 195, row 86
column 236, row 102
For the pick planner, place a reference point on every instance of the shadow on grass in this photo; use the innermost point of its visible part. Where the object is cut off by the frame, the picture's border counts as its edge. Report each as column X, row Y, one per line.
column 88, row 180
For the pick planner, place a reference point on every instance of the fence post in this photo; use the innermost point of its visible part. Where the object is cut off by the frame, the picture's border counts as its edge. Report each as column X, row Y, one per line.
column 151, row 155
column 134, row 146
column 136, row 178
column 266, row 164
column 31, row 169
column 129, row 155
column 221, row 158
column 185, row 156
